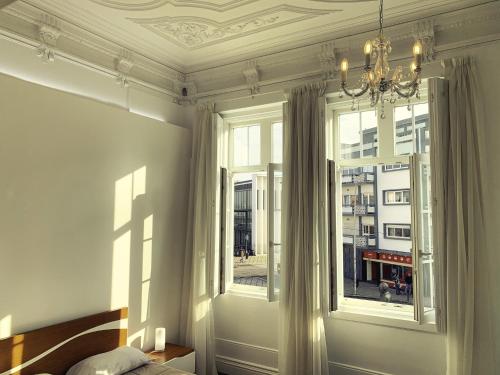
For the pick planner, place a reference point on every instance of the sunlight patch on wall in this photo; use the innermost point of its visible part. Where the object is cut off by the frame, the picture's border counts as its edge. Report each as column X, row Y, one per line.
column 121, row 271
column 6, row 327
column 139, row 182
column 139, row 334
column 147, row 262
column 123, row 201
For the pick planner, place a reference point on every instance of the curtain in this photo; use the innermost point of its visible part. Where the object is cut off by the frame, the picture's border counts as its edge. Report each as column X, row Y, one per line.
column 197, row 323
column 302, row 345
column 458, row 171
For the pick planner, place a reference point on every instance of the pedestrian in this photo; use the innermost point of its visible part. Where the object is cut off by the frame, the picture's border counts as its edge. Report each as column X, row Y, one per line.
column 397, row 283
column 242, row 255
column 409, row 286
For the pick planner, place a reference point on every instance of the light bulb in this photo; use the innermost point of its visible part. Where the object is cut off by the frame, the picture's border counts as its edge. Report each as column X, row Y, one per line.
column 413, row 67
column 368, row 47
column 417, row 48
column 344, row 65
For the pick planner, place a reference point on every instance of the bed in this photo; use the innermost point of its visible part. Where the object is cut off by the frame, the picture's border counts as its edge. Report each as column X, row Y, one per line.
column 57, row 348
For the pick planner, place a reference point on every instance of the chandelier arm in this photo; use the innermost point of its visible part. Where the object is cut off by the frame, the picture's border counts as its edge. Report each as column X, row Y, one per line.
column 408, row 85
column 407, row 95
column 352, row 94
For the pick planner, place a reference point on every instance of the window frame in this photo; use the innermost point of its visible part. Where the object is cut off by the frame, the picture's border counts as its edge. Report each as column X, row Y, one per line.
column 401, row 226
column 231, row 122
column 404, row 316
column 402, row 203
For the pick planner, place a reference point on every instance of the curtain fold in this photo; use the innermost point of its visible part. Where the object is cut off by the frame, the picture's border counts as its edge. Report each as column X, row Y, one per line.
column 302, row 344
column 458, row 182
column 197, row 322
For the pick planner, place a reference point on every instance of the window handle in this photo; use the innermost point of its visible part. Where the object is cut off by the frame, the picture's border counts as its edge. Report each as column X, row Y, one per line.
column 424, row 253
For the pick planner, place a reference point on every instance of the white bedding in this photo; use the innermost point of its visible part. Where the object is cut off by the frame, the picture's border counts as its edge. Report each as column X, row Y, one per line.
column 156, row 369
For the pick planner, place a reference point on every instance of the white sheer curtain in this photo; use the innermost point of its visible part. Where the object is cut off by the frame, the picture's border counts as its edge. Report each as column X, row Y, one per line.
column 458, row 182
column 302, row 346
column 197, row 323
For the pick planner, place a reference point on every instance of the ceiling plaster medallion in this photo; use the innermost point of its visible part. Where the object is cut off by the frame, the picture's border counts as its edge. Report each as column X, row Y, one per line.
column 197, row 32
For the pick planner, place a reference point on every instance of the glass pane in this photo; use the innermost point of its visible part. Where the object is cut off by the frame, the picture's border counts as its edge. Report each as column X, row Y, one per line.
column 403, row 135
column 277, row 150
column 278, row 178
column 349, row 135
column 370, row 136
column 422, row 132
column 250, row 223
column 254, row 145
column 240, row 146
column 376, row 265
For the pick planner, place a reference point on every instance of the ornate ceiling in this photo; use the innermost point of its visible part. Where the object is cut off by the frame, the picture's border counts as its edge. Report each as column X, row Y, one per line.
column 189, row 35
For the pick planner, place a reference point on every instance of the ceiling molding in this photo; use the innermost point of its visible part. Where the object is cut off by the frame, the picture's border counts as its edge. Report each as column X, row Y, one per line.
column 155, row 4
column 198, row 32
column 250, row 76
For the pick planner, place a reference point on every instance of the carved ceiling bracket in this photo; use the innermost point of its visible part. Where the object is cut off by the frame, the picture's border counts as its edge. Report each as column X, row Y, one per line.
column 328, row 60
column 124, row 64
column 186, row 90
column 48, row 33
column 252, row 77
column 424, row 31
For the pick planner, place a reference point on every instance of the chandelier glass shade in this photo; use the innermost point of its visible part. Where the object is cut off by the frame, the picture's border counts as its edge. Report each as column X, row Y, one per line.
column 375, row 81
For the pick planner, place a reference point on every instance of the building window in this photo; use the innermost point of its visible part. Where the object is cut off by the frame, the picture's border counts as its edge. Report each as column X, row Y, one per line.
column 394, row 167
column 375, row 256
column 396, row 197
column 397, row 231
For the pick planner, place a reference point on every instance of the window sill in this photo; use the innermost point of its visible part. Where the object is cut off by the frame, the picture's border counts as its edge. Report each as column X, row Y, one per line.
column 247, row 291
column 379, row 317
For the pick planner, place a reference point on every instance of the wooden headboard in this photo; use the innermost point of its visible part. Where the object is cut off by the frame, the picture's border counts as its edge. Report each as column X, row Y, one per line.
column 56, row 348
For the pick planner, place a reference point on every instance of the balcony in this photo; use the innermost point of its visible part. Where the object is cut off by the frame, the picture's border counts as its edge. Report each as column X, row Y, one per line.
column 356, row 179
column 362, row 242
column 359, row 210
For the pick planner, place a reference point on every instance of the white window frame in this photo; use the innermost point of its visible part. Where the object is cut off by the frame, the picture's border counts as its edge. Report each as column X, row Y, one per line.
column 395, row 192
column 397, row 226
column 404, row 316
column 266, row 121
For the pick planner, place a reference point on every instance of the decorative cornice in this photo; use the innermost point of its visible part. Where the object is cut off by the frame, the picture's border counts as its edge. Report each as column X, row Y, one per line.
column 251, row 74
column 124, row 64
column 48, row 34
column 328, row 60
column 187, row 92
column 424, row 31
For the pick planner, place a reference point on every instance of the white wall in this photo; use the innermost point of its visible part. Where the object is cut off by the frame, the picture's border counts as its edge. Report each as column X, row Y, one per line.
column 79, row 178
column 247, row 328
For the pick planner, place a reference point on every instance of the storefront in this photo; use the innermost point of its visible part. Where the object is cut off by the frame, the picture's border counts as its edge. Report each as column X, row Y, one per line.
column 380, row 267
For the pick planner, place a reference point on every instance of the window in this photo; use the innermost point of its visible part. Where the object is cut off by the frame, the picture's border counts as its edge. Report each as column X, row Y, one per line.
column 358, row 134
column 397, row 196
column 277, row 139
column 254, row 204
column 375, row 257
column 246, row 145
column 368, row 230
column 397, row 231
column 394, row 167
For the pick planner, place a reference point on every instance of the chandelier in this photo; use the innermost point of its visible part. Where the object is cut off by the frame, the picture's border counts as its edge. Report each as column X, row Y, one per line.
column 374, row 80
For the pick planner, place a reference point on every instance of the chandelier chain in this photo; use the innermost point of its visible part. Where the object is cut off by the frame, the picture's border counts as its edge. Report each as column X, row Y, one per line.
column 381, row 17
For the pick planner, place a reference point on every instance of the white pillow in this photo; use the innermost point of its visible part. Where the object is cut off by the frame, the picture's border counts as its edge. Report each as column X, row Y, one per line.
column 115, row 362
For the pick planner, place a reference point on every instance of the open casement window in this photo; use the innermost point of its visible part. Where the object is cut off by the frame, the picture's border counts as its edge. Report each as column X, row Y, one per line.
column 274, row 189
column 251, row 201
column 381, row 255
